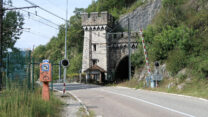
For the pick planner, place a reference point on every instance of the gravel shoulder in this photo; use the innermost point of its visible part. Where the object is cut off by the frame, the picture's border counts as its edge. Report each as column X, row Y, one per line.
column 71, row 106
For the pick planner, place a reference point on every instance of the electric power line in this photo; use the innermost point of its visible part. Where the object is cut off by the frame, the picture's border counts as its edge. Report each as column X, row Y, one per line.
column 44, row 23
column 54, row 5
column 39, row 35
column 16, row 8
column 45, row 10
column 41, row 17
column 36, row 15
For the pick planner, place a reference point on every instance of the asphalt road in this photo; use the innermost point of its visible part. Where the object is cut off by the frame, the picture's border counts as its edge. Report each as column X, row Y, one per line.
column 126, row 102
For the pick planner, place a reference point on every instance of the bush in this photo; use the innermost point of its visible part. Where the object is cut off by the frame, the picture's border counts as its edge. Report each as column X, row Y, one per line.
column 137, row 58
column 75, row 64
column 199, row 65
column 176, row 61
column 169, row 39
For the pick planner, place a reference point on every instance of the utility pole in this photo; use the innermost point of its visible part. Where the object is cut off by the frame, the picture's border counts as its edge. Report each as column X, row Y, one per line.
column 65, row 56
column 129, row 47
column 1, row 42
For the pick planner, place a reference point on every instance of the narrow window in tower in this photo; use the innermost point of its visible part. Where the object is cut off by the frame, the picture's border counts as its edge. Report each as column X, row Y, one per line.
column 98, row 34
column 94, row 47
column 94, row 61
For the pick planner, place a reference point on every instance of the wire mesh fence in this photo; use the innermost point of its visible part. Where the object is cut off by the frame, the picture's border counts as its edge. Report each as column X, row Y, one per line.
column 17, row 69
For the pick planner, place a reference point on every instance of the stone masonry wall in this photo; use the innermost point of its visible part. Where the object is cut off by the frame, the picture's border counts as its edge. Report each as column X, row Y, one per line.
column 95, row 25
column 141, row 17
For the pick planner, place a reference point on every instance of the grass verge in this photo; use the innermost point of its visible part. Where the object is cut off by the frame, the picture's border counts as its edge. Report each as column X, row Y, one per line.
column 196, row 87
column 18, row 102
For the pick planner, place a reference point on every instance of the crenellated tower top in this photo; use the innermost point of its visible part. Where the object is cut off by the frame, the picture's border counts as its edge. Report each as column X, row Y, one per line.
column 97, row 19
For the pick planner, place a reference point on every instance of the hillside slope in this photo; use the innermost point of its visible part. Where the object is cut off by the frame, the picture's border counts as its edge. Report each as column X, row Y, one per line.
column 178, row 39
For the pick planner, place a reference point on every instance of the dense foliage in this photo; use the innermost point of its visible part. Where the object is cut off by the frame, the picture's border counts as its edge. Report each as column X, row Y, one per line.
column 114, row 7
column 178, row 36
column 12, row 29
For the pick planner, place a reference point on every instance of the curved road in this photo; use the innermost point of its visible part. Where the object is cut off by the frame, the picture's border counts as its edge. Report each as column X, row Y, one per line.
column 126, row 102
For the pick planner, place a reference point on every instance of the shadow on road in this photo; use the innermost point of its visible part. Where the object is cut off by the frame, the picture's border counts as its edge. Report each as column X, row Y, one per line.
column 74, row 86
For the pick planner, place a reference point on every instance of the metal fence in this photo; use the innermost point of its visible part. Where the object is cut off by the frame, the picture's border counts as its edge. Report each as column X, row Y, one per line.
column 17, row 69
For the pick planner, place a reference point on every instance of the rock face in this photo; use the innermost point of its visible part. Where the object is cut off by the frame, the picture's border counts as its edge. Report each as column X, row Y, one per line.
column 141, row 17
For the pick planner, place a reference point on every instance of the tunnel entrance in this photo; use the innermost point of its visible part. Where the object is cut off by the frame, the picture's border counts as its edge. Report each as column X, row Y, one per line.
column 122, row 71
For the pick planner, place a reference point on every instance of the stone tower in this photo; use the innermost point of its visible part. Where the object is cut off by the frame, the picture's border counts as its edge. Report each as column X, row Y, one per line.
column 95, row 50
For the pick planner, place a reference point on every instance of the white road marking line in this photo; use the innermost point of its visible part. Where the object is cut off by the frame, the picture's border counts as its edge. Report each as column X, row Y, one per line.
column 182, row 113
column 187, row 96
column 80, row 102
column 76, row 99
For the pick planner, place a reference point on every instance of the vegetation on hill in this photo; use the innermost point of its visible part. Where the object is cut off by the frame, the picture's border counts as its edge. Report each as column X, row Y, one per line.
column 178, row 36
column 114, row 7
column 54, row 50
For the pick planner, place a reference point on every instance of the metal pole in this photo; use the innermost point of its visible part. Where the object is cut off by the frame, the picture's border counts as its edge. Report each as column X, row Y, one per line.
column 33, row 67
column 59, row 71
column 7, row 68
column 1, row 42
column 65, row 45
column 29, row 69
column 52, row 77
column 129, row 47
column 80, row 76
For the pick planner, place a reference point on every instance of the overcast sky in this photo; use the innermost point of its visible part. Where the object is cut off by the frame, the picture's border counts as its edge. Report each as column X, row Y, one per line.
column 40, row 33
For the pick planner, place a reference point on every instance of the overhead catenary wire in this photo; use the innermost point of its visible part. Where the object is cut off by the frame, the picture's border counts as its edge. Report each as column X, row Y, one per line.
column 36, row 34
column 44, row 23
column 36, row 15
column 52, row 4
column 45, row 10
column 41, row 17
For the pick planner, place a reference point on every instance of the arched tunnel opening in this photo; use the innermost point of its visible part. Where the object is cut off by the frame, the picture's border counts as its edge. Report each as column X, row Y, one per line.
column 122, row 70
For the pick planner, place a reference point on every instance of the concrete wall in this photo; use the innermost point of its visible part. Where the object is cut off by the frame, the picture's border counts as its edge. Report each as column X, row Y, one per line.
column 141, row 17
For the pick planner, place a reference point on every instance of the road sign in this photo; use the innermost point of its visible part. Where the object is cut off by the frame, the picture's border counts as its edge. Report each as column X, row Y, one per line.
column 45, row 72
column 45, row 61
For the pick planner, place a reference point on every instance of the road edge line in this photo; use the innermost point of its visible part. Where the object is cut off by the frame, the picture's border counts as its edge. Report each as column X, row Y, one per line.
column 180, row 95
column 82, row 104
column 147, row 102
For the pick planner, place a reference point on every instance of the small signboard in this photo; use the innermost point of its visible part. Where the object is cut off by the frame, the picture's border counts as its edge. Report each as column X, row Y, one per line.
column 45, row 67
column 45, row 72
column 45, row 61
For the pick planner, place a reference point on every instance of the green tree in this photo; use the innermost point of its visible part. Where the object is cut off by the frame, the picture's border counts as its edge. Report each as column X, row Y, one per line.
column 13, row 23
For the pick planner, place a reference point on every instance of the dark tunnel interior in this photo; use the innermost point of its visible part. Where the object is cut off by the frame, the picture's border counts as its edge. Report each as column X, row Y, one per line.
column 121, row 73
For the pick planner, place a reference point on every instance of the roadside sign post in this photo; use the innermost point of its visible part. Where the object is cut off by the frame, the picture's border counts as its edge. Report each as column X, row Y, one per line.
column 45, row 77
column 65, row 64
